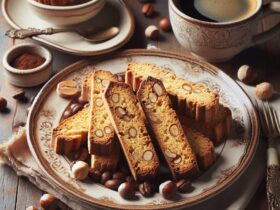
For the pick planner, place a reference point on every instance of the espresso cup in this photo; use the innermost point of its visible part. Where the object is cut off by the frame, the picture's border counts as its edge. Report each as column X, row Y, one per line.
column 220, row 41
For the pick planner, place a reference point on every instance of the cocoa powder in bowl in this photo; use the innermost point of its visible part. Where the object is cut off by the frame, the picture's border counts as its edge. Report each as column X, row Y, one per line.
column 27, row 61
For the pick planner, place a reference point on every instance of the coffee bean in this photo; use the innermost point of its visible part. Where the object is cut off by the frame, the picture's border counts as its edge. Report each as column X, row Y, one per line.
column 105, row 177
column 145, row 189
column 168, row 189
column 148, row 10
column 94, row 175
column 183, row 185
column 119, row 175
column 165, row 25
column 113, row 184
column 49, row 202
column 126, row 190
column 67, row 113
column 68, row 89
column 3, row 104
column 19, row 95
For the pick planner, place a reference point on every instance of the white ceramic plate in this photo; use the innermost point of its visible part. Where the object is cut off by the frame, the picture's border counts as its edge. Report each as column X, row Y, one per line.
column 19, row 15
column 233, row 155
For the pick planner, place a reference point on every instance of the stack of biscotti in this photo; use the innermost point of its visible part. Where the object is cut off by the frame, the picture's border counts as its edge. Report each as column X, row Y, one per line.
column 168, row 132
column 101, row 133
column 192, row 99
column 128, row 120
column 71, row 133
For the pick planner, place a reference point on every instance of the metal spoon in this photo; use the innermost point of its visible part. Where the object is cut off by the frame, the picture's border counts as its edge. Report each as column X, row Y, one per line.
column 90, row 35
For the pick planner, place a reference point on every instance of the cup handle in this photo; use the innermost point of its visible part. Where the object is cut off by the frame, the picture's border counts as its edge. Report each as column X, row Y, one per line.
column 270, row 9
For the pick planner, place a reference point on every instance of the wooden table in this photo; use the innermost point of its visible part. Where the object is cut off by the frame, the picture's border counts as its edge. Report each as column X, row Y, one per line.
column 18, row 193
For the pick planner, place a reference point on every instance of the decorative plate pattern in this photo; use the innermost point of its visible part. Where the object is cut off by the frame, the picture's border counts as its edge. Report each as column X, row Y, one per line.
column 233, row 155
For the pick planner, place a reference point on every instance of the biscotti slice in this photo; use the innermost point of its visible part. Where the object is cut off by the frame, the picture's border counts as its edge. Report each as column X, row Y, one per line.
column 129, row 123
column 192, row 99
column 101, row 132
column 86, row 87
column 106, row 162
column 202, row 147
column 71, row 133
column 167, row 129
column 217, row 131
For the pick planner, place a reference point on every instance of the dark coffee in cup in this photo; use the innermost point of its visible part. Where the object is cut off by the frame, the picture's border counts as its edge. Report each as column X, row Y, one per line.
column 218, row 10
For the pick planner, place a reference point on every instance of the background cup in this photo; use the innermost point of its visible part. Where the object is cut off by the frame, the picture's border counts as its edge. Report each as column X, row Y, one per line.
column 220, row 41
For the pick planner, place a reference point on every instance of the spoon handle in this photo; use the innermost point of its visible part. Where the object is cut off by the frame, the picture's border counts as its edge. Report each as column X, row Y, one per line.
column 29, row 32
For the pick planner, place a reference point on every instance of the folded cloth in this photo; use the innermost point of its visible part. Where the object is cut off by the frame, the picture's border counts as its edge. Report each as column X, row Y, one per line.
column 15, row 152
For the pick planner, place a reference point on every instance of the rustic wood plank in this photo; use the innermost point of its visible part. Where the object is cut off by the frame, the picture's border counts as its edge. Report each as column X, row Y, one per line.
column 27, row 195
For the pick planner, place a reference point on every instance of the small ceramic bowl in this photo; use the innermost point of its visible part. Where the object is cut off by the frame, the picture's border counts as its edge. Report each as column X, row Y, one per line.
column 27, row 77
column 67, row 15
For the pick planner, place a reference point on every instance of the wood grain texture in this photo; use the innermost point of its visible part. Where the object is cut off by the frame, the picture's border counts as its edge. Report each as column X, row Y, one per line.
column 18, row 192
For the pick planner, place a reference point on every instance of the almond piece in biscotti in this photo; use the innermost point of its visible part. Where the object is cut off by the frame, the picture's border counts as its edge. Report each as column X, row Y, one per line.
column 152, row 97
column 99, row 102
column 148, row 155
column 115, row 98
column 174, row 130
column 120, row 111
column 132, row 132
column 157, row 89
column 186, row 87
column 169, row 154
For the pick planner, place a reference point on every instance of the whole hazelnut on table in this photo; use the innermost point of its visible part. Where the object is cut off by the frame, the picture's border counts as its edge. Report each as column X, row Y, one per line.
column 3, row 104
column 168, row 189
column 152, row 32
column 80, row 170
column 264, row 90
column 126, row 190
column 49, row 202
column 246, row 74
column 165, row 25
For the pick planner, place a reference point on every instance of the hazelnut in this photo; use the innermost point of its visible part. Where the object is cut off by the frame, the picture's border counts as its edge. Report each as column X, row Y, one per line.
column 148, row 10
column 246, row 74
column 105, row 177
column 31, row 208
column 3, row 104
column 168, row 189
column 165, row 25
column 48, row 202
column 80, row 170
column 264, row 90
column 94, row 175
column 183, row 185
column 152, row 32
column 126, row 190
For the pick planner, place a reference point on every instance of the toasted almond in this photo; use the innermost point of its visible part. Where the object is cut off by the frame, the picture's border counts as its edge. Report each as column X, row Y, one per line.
column 158, row 89
column 152, row 97
column 104, row 82
column 186, row 87
column 154, row 119
column 169, row 154
column 197, row 91
column 132, row 132
column 120, row 111
column 174, row 130
column 177, row 160
column 99, row 102
column 148, row 155
column 99, row 133
column 115, row 97
column 108, row 130
column 126, row 118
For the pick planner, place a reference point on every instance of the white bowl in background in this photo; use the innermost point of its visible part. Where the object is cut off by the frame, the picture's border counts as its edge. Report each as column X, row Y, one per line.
column 67, row 15
column 27, row 77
